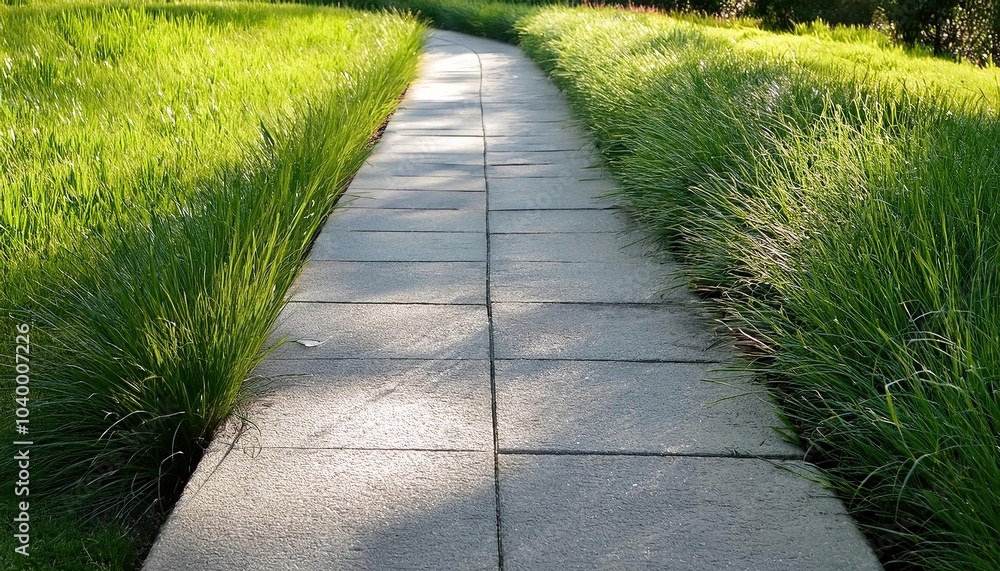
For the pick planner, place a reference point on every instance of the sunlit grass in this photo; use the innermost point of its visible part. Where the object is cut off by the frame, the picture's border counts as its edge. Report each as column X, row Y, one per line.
column 166, row 166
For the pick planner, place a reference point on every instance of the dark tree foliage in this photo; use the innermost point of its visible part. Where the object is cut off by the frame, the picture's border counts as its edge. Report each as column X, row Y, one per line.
column 704, row 6
column 783, row 14
column 968, row 29
column 922, row 21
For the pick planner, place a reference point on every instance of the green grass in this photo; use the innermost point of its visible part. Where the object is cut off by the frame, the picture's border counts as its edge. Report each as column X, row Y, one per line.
column 843, row 215
column 166, row 167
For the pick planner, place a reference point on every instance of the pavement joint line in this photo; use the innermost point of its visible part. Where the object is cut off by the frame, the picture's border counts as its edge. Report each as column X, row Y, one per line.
column 374, row 449
column 370, row 190
column 548, row 209
column 376, row 359
column 644, row 361
column 645, row 454
column 415, row 261
column 592, row 209
column 585, row 262
column 421, row 303
column 489, row 321
column 412, row 231
column 634, row 304
column 416, row 210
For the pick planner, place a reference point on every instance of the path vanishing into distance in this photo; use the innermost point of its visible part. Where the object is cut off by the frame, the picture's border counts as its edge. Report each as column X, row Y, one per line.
column 488, row 368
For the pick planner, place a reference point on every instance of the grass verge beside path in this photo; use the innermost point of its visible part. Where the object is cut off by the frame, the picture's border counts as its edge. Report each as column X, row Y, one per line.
column 837, row 197
column 166, row 167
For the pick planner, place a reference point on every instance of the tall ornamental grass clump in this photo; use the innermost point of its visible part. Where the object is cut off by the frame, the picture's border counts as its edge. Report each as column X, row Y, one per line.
column 847, row 223
column 169, row 166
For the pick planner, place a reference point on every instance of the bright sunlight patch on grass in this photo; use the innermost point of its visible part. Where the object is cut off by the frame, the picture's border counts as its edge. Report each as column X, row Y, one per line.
column 166, row 166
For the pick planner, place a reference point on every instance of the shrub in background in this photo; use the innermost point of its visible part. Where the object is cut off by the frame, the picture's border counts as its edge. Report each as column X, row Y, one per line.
column 966, row 29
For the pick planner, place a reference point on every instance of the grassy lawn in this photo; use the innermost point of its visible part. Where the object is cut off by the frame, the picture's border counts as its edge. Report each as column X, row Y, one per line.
column 836, row 197
column 165, row 167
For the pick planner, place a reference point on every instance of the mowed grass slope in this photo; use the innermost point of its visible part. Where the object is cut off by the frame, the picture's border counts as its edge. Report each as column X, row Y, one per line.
column 165, row 168
column 838, row 198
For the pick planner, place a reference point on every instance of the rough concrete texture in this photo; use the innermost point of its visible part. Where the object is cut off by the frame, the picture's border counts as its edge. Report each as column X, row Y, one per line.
column 677, row 513
column 603, row 332
column 316, row 510
column 469, row 182
column 382, row 433
column 620, row 406
column 408, row 220
column 374, row 330
column 570, row 247
column 353, row 246
column 547, row 193
column 632, row 281
column 371, row 404
column 423, row 199
column 392, row 282
column 556, row 221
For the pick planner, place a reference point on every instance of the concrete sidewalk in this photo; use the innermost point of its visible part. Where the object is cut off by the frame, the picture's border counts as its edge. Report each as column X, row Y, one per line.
column 486, row 372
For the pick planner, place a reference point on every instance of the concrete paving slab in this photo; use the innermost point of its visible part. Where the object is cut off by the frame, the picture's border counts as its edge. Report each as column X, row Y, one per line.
column 587, row 183
column 315, row 510
column 453, row 182
column 512, row 128
column 381, row 331
column 350, row 246
column 407, row 219
column 512, row 93
column 554, row 104
column 432, row 111
column 370, row 404
column 544, row 157
column 497, row 115
column 422, row 199
column 613, row 512
column 458, row 88
column 412, row 128
column 414, row 156
column 580, row 169
column 556, row 221
column 628, row 407
column 605, row 332
column 548, row 193
column 540, row 143
column 466, row 105
column 570, row 247
column 392, row 282
column 638, row 281
column 459, row 123
column 494, row 91
column 438, row 144
column 409, row 169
